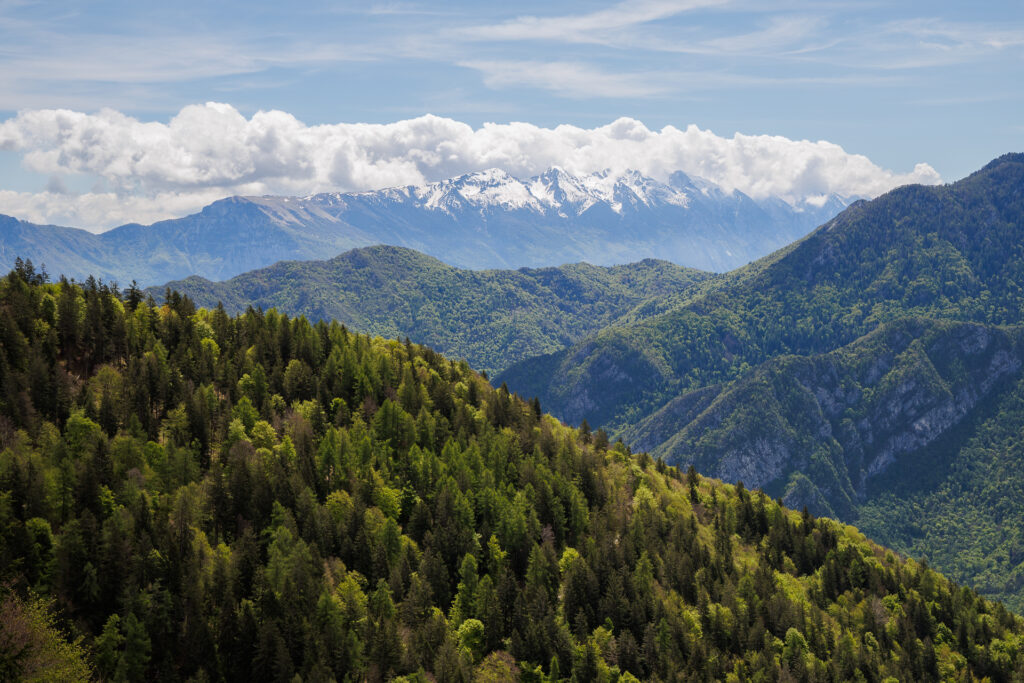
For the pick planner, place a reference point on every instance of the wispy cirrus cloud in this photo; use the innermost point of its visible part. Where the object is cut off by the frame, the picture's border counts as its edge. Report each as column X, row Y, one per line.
column 405, row 9
column 930, row 42
column 570, row 79
column 803, row 68
column 576, row 80
column 782, row 34
column 788, row 30
column 590, row 27
column 83, row 71
column 909, row 44
column 55, row 58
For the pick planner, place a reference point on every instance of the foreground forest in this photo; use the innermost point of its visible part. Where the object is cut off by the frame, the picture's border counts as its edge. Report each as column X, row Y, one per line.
column 189, row 495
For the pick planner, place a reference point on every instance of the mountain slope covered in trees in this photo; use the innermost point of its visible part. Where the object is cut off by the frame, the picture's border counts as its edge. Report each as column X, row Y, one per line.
column 763, row 375
column 834, row 421
column 256, row 497
column 965, row 515
column 492, row 318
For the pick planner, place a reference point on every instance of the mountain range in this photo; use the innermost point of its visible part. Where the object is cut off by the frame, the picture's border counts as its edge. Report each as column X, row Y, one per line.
column 486, row 219
column 872, row 370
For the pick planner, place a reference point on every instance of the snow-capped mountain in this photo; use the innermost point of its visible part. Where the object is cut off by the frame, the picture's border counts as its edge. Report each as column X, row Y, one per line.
column 553, row 191
column 493, row 219
column 486, row 219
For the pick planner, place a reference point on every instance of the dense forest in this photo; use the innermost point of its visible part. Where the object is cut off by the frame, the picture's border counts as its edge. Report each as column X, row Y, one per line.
column 189, row 495
column 492, row 318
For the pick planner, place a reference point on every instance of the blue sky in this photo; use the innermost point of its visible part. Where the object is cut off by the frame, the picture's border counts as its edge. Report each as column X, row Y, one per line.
column 898, row 82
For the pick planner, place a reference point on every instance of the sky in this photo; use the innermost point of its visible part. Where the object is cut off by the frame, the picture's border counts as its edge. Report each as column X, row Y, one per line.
column 113, row 112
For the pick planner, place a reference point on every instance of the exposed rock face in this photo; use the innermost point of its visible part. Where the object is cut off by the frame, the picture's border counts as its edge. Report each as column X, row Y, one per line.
column 763, row 461
column 841, row 418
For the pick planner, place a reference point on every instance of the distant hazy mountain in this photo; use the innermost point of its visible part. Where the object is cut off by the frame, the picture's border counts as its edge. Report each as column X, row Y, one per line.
column 487, row 219
column 492, row 318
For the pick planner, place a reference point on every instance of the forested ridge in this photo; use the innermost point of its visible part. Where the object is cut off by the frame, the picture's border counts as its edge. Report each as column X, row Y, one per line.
column 492, row 318
column 257, row 497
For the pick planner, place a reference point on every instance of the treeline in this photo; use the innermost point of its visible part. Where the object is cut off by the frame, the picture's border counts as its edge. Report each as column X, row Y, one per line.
column 206, row 497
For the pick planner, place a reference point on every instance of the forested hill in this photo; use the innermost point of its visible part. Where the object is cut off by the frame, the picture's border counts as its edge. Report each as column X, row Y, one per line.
column 258, row 498
column 492, row 318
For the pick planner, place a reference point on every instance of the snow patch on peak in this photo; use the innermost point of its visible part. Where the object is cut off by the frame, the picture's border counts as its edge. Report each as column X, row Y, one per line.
column 650, row 192
column 557, row 192
column 488, row 176
column 488, row 188
column 510, row 193
column 565, row 192
column 695, row 184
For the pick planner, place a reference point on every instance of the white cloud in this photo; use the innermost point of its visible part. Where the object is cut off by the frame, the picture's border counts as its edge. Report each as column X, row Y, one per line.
column 151, row 170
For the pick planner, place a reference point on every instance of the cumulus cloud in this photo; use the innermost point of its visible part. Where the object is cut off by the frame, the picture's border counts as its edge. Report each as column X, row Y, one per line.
column 150, row 170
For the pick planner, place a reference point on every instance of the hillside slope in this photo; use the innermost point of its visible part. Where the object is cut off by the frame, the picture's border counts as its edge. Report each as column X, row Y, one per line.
column 256, row 498
column 816, row 429
column 491, row 318
column 964, row 516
